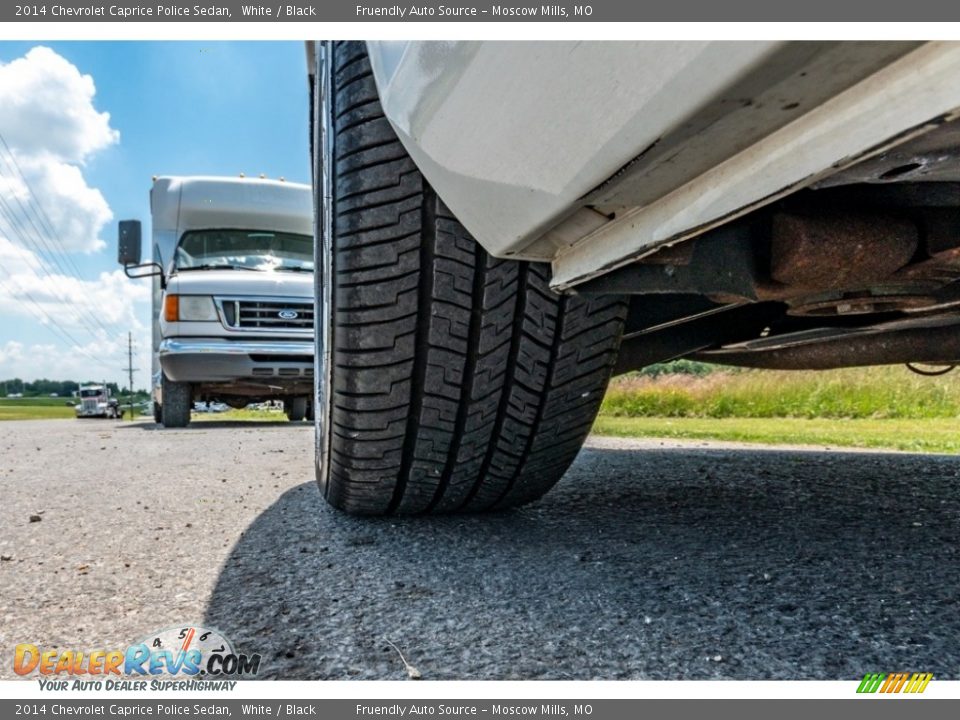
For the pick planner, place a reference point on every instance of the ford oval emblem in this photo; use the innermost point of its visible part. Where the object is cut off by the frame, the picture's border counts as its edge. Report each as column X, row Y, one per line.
column 288, row 314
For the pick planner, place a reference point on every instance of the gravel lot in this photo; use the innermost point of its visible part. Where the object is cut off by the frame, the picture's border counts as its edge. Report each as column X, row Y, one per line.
column 658, row 560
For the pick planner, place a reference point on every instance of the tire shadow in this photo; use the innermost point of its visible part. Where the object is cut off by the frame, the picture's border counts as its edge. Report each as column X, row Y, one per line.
column 656, row 564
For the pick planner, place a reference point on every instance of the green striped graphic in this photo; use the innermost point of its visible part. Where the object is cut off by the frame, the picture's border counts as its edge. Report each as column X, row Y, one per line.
column 871, row 682
column 893, row 683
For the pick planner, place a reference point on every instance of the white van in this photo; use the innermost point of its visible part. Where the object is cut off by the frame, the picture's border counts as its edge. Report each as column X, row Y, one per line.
column 232, row 293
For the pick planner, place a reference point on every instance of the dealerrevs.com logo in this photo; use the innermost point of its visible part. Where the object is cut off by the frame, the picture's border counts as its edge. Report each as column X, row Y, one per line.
column 179, row 658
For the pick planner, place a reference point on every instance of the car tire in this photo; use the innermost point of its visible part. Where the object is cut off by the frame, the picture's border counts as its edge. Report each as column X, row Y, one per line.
column 177, row 403
column 454, row 381
column 295, row 408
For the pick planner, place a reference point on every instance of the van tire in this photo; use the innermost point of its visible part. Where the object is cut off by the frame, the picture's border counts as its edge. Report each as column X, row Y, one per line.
column 295, row 408
column 177, row 403
column 459, row 382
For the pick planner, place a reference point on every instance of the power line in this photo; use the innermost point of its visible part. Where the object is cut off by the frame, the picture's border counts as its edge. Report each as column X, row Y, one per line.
column 10, row 160
column 52, row 256
column 80, row 314
column 80, row 317
column 54, row 325
column 44, row 218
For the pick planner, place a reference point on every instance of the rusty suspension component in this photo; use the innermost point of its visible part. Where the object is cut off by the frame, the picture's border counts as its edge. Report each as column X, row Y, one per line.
column 937, row 345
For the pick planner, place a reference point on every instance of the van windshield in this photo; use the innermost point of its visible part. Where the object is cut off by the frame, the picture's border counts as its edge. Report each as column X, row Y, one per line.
column 244, row 250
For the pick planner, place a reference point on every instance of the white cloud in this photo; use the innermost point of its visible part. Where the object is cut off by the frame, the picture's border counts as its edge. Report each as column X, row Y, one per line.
column 76, row 212
column 47, row 109
column 81, row 307
column 47, row 360
column 49, row 121
column 12, row 351
column 16, row 259
column 76, row 305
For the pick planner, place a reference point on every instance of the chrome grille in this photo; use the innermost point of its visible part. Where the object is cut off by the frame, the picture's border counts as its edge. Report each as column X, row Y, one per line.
column 267, row 314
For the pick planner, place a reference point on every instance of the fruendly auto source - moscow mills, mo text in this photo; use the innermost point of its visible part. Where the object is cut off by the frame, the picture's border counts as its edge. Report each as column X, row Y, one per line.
column 417, row 11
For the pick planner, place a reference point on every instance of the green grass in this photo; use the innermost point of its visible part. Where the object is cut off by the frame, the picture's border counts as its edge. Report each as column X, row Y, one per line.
column 887, row 392
column 36, row 402
column 55, row 408
column 23, row 411
column 939, row 435
column 886, row 407
column 247, row 414
column 34, row 408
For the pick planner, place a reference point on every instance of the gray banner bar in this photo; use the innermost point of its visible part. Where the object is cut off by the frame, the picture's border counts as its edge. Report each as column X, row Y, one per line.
column 874, row 709
column 473, row 11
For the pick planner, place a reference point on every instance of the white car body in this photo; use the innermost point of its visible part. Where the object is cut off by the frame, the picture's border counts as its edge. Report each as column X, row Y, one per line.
column 592, row 155
column 781, row 205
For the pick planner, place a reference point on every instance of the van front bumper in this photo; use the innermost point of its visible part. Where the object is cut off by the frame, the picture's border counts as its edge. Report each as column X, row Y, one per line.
column 206, row 360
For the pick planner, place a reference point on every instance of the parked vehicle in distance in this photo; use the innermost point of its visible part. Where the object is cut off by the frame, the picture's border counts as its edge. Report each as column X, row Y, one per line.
column 210, row 407
column 502, row 225
column 94, row 401
column 232, row 262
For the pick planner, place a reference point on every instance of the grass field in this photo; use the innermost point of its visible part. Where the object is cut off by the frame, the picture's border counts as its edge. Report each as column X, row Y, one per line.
column 887, row 407
column 36, row 409
column 22, row 411
column 35, row 402
column 939, row 435
column 247, row 414
column 26, row 410
column 885, row 392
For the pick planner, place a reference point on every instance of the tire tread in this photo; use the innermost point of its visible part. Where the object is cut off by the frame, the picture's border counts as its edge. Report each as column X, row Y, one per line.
column 461, row 382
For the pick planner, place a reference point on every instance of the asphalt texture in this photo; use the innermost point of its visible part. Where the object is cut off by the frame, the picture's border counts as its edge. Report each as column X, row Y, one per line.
column 650, row 560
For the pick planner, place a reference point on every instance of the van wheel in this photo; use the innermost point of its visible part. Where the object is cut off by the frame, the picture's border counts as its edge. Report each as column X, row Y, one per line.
column 177, row 402
column 295, row 408
column 455, row 381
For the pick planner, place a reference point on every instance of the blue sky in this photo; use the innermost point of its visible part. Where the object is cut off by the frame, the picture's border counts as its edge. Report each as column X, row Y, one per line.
column 180, row 108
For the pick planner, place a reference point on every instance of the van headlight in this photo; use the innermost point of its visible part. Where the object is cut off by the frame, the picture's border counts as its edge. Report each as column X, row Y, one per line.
column 189, row 308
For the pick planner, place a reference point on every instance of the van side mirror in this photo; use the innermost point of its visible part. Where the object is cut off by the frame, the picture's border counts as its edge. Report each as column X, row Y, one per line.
column 128, row 253
column 128, row 243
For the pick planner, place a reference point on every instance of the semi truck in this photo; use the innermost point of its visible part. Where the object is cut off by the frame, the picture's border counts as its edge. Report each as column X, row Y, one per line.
column 95, row 401
column 232, row 304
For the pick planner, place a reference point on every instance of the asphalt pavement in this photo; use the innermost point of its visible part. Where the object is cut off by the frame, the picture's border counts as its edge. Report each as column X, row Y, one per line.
column 650, row 560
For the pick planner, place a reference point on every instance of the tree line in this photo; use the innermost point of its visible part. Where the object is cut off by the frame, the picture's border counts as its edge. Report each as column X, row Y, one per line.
column 45, row 388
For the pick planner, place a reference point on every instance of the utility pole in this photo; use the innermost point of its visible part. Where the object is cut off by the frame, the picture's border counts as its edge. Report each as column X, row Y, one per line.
column 130, row 371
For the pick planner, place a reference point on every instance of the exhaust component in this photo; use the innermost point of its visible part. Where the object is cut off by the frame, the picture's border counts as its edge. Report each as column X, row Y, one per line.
column 928, row 343
column 839, row 251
